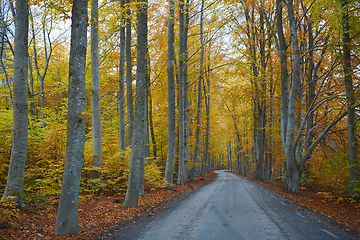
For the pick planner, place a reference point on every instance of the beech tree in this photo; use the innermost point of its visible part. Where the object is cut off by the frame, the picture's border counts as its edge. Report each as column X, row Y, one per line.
column 197, row 151
column 129, row 91
column 138, row 145
column 171, row 97
column 67, row 214
column 351, row 102
column 14, row 185
column 181, row 104
column 122, row 80
column 95, row 89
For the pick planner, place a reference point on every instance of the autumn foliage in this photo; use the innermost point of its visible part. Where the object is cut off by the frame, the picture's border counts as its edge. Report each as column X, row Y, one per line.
column 242, row 64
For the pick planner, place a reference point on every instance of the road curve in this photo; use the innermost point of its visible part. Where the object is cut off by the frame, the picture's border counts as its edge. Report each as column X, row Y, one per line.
column 232, row 207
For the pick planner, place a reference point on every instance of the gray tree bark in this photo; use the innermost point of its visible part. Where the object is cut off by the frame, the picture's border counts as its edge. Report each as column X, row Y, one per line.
column 197, row 150
column 169, row 171
column 181, row 105
column 207, row 106
column 129, row 91
column 95, row 90
column 15, row 181
column 138, row 146
column 186, row 95
column 67, row 215
column 122, row 83
column 348, row 73
column 293, row 173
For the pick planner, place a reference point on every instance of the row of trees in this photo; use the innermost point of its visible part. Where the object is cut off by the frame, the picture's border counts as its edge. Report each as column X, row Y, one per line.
column 284, row 103
column 310, row 79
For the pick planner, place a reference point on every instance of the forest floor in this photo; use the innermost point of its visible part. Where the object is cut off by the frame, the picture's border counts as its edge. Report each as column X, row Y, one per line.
column 98, row 213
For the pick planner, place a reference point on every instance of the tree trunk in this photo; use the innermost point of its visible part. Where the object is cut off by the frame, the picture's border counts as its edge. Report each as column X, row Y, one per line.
column 152, row 132
column 181, row 104
column 186, row 95
column 95, row 91
column 348, row 72
column 197, row 151
column 129, row 90
column 293, row 173
column 138, row 146
column 67, row 215
column 122, row 139
column 171, row 97
column 15, row 180
column 207, row 103
column 284, row 72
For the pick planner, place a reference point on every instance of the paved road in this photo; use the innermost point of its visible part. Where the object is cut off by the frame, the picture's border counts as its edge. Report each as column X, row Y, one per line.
column 232, row 207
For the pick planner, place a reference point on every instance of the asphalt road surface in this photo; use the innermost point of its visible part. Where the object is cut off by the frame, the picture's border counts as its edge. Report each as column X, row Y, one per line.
column 232, row 207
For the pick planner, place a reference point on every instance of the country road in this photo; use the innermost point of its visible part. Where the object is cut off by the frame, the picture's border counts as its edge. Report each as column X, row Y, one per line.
column 232, row 207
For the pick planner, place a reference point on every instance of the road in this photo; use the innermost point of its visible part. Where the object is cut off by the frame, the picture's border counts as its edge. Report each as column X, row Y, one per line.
column 232, row 207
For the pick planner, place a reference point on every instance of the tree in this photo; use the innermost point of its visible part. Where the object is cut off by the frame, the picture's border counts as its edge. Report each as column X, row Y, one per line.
column 171, row 97
column 197, row 151
column 138, row 146
column 15, row 181
column 122, row 81
column 95, row 89
column 350, row 94
column 129, row 91
column 67, row 215
column 181, row 104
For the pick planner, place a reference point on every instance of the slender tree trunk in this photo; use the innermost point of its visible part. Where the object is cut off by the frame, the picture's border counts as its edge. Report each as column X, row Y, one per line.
column 122, row 138
column 197, row 151
column 171, row 97
column 67, row 215
column 284, row 72
column 95, row 91
column 152, row 132
column 15, row 180
column 129, row 90
column 181, row 84
column 138, row 146
column 207, row 103
column 186, row 95
column 348, row 73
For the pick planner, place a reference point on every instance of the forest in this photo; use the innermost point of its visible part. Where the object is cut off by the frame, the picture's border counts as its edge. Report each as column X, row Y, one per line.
column 124, row 97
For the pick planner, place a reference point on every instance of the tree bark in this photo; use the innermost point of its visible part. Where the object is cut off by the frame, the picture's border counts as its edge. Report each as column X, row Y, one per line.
column 67, row 215
column 169, row 171
column 95, row 91
column 122, row 138
column 129, row 90
column 197, row 151
column 352, row 136
column 293, row 172
column 186, row 95
column 15, row 180
column 138, row 146
column 284, row 72
column 181, row 83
